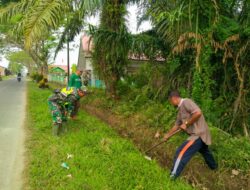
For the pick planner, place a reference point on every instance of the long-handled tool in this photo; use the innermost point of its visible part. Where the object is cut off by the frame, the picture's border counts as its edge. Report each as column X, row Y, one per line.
column 147, row 157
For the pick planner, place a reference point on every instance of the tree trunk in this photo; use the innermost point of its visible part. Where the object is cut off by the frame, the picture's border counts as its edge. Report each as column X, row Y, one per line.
column 113, row 86
column 239, row 100
column 111, row 19
column 45, row 70
column 245, row 130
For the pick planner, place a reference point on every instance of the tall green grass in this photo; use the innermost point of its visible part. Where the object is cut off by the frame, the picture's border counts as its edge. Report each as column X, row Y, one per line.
column 230, row 152
column 101, row 159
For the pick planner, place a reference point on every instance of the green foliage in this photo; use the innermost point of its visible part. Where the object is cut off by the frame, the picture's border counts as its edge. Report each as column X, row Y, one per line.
column 212, row 32
column 101, row 159
column 225, row 28
column 203, row 83
column 112, row 43
column 173, row 19
column 73, row 68
column 151, row 80
column 208, row 82
column 158, row 116
column 36, row 77
column 43, row 83
column 5, row 2
column 150, row 45
column 21, row 57
column 228, row 150
column 219, row 33
column 40, row 17
column 15, row 67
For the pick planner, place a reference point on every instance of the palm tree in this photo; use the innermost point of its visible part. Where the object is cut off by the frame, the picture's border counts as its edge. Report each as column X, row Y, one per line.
column 39, row 18
column 112, row 43
column 204, row 27
column 5, row 2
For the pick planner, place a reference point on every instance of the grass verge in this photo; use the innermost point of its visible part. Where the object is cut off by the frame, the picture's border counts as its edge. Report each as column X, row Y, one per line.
column 140, row 122
column 8, row 77
column 159, row 117
column 101, row 159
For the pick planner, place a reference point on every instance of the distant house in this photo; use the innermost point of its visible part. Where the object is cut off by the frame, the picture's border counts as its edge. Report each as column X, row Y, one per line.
column 85, row 61
column 2, row 71
column 58, row 73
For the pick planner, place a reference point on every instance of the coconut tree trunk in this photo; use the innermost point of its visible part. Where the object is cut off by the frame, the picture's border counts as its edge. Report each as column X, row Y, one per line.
column 109, row 59
column 113, row 86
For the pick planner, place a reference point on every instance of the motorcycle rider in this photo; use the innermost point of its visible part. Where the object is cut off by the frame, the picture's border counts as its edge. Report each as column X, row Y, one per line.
column 19, row 76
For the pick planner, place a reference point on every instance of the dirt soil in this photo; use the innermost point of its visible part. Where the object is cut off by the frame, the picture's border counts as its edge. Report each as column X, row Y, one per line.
column 196, row 172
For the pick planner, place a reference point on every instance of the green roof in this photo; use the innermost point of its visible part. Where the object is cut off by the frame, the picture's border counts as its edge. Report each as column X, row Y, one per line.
column 57, row 70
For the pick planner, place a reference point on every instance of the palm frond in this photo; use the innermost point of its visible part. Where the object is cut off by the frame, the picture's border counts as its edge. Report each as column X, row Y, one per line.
column 13, row 9
column 46, row 15
column 75, row 21
column 92, row 5
column 72, row 28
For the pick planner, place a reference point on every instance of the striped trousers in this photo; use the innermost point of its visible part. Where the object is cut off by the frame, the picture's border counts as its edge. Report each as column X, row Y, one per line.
column 185, row 152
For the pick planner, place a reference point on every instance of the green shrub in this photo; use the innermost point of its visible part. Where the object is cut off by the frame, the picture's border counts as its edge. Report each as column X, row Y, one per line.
column 36, row 77
column 43, row 83
column 231, row 153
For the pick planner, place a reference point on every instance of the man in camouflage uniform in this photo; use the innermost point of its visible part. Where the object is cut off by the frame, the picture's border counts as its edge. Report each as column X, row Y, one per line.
column 75, row 81
column 61, row 104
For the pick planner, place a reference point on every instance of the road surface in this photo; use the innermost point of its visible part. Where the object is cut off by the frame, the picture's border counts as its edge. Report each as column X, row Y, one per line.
column 12, row 115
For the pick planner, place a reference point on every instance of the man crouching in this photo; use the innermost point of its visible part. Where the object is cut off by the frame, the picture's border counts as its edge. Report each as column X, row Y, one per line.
column 61, row 105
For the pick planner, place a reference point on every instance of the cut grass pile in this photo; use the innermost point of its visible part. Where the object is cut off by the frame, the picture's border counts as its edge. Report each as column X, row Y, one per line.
column 101, row 159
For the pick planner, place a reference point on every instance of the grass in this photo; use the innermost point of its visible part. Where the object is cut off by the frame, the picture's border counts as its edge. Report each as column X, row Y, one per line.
column 101, row 159
column 231, row 152
column 7, row 77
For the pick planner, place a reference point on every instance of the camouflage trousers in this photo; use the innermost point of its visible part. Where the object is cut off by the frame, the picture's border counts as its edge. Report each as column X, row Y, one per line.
column 58, row 113
column 75, row 107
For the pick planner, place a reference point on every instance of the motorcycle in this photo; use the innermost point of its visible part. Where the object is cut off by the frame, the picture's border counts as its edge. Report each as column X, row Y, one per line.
column 19, row 77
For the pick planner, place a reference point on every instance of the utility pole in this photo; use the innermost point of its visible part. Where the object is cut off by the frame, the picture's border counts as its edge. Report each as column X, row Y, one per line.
column 68, row 53
column 68, row 58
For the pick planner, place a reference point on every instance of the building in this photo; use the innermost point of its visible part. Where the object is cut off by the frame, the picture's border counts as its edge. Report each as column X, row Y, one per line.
column 58, row 73
column 2, row 71
column 85, row 62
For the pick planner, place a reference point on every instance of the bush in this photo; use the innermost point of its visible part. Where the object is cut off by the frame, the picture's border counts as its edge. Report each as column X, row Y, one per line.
column 43, row 83
column 123, row 87
column 36, row 77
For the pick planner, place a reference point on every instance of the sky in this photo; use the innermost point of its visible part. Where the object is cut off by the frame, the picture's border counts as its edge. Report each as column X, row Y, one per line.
column 61, row 58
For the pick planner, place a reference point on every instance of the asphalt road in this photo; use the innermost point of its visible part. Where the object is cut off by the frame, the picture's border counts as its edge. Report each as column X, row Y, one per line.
column 12, row 115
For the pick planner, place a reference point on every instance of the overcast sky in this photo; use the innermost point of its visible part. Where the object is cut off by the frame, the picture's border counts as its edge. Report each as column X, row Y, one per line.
column 61, row 58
